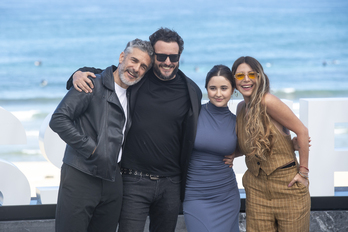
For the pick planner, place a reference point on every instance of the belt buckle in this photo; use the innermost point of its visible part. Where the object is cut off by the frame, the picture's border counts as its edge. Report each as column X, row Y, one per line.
column 153, row 177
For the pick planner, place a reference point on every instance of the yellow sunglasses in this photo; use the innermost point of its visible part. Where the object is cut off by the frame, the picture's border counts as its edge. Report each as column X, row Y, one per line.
column 240, row 76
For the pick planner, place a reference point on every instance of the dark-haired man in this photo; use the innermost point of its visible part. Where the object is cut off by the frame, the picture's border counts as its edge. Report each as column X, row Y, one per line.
column 164, row 110
column 94, row 125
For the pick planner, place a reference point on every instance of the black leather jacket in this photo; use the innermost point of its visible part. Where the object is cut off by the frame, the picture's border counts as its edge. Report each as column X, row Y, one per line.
column 88, row 121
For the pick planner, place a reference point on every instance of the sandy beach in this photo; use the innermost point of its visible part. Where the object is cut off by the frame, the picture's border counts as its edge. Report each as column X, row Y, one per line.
column 39, row 174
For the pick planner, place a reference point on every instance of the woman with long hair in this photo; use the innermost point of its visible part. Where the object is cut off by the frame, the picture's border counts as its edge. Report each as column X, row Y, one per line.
column 276, row 184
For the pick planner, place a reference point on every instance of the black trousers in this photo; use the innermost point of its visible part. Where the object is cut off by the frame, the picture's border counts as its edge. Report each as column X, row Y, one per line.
column 87, row 203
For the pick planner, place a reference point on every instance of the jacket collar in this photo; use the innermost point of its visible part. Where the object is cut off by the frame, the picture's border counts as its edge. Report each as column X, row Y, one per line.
column 107, row 77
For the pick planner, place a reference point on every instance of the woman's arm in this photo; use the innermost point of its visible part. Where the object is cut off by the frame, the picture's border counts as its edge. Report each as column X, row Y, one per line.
column 282, row 114
column 229, row 158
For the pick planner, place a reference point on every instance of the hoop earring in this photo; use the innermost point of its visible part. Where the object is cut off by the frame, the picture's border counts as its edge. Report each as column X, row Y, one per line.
column 236, row 93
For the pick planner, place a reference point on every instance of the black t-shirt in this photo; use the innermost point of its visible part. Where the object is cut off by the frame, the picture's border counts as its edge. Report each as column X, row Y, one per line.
column 153, row 142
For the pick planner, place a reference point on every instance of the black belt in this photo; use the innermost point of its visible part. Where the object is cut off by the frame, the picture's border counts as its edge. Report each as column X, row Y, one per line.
column 127, row 171
column 289, row 165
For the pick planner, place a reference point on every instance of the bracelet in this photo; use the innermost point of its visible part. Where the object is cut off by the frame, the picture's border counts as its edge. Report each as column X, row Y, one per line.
column 304, row 167
column 304, row 176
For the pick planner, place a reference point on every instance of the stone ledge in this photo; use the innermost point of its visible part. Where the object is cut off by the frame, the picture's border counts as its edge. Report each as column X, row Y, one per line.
column 28, row 226
column 321, row 221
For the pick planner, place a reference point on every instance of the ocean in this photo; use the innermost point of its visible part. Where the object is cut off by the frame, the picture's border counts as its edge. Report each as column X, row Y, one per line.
column 302, row 45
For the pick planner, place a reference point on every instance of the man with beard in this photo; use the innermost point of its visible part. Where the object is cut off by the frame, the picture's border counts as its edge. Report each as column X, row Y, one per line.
column 94, row 126
column 164, row 110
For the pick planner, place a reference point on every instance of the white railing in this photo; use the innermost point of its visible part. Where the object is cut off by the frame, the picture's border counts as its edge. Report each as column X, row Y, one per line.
column 319, row 115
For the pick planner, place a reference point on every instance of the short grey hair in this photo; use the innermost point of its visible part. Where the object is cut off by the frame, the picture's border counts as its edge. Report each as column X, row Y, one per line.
column 143, row 45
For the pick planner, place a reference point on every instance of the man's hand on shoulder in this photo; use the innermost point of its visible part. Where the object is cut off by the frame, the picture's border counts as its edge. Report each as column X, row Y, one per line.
column 81, row 81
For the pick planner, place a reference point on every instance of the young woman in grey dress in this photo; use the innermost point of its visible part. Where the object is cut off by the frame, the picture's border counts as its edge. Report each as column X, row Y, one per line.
column 212, row 200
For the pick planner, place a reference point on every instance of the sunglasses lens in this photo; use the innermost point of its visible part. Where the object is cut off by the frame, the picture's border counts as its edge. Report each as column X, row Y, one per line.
column 161, row 57
column 239, row 76
column 252, row 75
column 174, row 58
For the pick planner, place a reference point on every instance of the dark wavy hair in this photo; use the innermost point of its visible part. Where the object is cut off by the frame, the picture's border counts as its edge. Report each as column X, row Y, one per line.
column 167, row 35
column 220, row 70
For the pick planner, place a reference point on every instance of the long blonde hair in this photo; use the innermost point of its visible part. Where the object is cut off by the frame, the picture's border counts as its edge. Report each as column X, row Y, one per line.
column 258, row 123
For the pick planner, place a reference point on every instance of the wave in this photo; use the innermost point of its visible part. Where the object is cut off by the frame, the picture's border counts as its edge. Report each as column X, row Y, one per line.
column 29, row 115
column 22, row 155
column 340, row 131
column 32, row 133
column 34, row 100
column 341, row 128
column 289, row 90
column 293, row 94
column 31, row 152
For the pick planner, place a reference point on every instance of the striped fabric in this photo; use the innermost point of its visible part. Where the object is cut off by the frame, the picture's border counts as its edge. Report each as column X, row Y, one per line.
column 283, row 151
column 270, row 204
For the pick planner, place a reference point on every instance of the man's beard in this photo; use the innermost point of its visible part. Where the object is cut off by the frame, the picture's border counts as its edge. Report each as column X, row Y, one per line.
column 163, row 77
column 125, row 80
